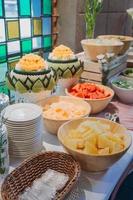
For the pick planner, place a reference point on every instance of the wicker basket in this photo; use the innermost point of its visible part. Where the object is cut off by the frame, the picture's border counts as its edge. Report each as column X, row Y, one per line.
column 31, row 169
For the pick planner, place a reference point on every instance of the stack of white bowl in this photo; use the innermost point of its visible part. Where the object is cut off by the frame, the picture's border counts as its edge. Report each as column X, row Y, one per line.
column 23, row 122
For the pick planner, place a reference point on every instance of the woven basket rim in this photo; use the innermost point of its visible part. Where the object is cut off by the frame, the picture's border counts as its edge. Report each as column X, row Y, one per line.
column 64, row 191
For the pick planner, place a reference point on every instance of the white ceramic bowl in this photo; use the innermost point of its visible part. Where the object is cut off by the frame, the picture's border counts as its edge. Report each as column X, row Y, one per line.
column 125, row 39
column 95, row 47
column 125, row 95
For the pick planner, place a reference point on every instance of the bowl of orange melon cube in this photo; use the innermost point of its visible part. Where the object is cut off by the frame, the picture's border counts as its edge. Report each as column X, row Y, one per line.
column 96, row 143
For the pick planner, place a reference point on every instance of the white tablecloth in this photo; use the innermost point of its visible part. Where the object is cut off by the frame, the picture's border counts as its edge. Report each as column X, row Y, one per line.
column 91, row 186
column 94, row 186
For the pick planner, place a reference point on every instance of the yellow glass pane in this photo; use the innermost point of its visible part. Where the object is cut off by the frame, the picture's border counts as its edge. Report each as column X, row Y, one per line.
column 13, row 29
column 37, row 26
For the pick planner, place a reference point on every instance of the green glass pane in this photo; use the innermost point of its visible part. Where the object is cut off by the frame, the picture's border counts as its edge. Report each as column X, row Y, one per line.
column 24, row 7
column 26, row 46
column 37, row 26
column 47, row 7
column 1, row 10
column 2, row 53
column 4, row 89
column 13, row 29
column 47, row 42
column 3, row 70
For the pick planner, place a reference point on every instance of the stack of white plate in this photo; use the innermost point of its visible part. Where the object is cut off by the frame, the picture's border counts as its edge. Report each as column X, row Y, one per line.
column 23, row 122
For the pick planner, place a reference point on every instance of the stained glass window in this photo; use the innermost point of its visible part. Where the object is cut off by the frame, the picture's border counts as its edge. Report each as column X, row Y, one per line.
column 46, row 26
column 1, row 10
column 13, row 29
column 26, row 46
column 3, row 53
column 47, row 7
column 36, row 8
column 37, row 26
column 37, row 42
column 25, row 26
column 47, row 42
column 24, row 7
column 2, row 30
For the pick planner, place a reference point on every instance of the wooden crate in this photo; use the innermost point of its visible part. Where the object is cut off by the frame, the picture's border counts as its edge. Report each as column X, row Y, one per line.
column 130, row 58
column 96, row 72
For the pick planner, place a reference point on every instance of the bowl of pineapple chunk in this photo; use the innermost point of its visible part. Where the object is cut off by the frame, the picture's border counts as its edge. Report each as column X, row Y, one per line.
column 96, row 143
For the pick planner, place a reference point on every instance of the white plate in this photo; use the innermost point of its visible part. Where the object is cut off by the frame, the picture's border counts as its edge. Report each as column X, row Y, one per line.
column 23, row 154
column 24, row 135
column 22, row 112
column 23, row 123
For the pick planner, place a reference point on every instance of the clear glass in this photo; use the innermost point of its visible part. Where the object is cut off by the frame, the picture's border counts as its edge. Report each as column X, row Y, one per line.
column 37, row 42
column 4, row 155
column 11, row 8
column 2, row 30
column 13, row 47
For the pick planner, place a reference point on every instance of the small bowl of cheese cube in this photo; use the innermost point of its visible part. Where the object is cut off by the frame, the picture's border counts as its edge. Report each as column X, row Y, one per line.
column 96, row 143
column 59, row 109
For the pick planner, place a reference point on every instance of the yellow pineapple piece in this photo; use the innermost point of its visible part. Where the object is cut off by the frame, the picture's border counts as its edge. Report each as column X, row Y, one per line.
column 92, row 139
column 117, row 147
column 80, row 145
column 72, row 143
column 115, row 138
column 74, row 134
column 104, row 151
column 104, row 142
column 90, row 148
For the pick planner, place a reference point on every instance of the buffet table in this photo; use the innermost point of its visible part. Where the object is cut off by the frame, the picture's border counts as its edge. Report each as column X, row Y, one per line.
column 95, row 186
column 91, row 186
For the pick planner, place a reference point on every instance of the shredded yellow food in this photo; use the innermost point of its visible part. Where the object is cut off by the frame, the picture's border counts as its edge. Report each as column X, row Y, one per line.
column 62, row 52
column 31, row 62
column 63, row 110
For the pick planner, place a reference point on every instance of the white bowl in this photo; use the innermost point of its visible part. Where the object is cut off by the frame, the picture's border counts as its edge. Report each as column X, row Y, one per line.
column 95, row 47
column 125, row 95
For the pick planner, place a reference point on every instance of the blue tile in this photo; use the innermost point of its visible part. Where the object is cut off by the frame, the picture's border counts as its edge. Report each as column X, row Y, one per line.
column 47, row 26
column 36, row 8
